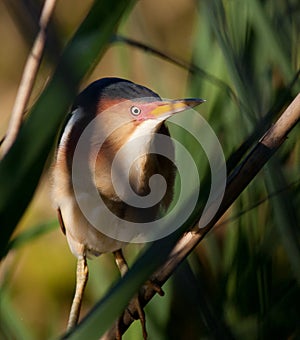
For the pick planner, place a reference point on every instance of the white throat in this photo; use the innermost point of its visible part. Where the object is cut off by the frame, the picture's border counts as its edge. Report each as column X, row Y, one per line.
column 130, row 161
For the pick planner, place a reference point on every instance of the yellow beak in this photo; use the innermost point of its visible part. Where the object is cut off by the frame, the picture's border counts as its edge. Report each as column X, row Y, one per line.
column 165, row 109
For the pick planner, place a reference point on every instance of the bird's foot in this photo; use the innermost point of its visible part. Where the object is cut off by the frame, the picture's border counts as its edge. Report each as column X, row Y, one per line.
column 151, row 285
column 135, row 308
column 136, row 304
column 136, row 312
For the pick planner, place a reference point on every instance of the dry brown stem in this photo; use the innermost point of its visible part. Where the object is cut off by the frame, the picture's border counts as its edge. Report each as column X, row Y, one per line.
column 28, row 78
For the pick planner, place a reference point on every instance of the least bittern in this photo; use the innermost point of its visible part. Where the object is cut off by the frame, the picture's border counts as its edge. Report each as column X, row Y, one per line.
column 135, row 110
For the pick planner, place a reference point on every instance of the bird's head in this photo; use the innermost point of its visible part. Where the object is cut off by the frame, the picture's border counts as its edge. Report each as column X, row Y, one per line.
column 123, row 101
column 123, row 107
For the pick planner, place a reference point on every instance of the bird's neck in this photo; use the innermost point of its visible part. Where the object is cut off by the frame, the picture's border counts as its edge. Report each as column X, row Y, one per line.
column 126, row 155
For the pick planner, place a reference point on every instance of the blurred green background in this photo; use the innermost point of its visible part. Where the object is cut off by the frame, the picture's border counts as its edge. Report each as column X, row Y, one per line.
column 243, row 280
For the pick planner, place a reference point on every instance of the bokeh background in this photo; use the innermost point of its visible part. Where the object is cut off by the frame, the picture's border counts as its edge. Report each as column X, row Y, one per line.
column 243, row 280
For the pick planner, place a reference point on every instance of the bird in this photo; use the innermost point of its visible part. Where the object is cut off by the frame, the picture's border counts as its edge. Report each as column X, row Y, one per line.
column 124, row 111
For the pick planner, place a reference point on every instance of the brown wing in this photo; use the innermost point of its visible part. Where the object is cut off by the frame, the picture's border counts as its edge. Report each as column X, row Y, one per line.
column 61, row 221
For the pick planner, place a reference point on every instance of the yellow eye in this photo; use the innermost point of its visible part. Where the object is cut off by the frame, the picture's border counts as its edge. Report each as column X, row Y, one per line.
column 135, row 110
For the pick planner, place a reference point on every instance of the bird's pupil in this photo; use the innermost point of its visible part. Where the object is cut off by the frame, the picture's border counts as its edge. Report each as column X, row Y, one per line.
column 135, row 110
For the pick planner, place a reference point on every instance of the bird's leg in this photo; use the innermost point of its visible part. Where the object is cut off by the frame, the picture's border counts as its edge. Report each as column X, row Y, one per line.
column 81, row 280
column 123, row 268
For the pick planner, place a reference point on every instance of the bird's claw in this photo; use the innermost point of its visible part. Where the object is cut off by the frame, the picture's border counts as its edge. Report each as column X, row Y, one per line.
column 135, row 310
column 154, row 286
